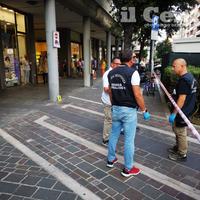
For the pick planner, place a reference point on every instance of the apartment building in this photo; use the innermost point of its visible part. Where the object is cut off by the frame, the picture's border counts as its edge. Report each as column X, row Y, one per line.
column 190, row 24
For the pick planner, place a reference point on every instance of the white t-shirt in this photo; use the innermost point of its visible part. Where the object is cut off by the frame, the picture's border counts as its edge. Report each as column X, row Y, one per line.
column 135, row 79
column 105, row 96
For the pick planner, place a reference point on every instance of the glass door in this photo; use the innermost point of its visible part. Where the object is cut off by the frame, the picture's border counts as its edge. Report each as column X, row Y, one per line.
column 10, row 53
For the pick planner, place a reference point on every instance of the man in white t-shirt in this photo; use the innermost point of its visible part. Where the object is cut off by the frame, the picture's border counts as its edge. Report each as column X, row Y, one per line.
column 106, row 101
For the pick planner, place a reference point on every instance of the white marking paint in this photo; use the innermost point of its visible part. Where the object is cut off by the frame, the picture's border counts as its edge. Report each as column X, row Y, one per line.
column 30, row 140
column 83, row 109
column 95, row 102
column 81, row 99
column 177, row 185
column 66, row 180
column 155, row 116
column 193, row 140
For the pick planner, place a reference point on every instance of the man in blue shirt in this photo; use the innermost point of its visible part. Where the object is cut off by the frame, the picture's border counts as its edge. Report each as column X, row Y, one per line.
column 185, row 97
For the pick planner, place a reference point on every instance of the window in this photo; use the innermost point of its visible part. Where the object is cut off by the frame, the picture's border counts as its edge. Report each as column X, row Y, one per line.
column 20, row 23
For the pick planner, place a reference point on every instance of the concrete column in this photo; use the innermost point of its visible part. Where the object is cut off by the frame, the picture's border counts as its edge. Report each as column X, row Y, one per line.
column 64, row 53
column 52, row 53
column 116, row 46
column 108, row 42
column 31, row 48
column 87, row 51
column 2, row 68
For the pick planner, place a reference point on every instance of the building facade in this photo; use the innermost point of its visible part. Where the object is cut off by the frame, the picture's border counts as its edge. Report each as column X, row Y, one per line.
column 27, row 28
column 14, row 42
column 190, row 24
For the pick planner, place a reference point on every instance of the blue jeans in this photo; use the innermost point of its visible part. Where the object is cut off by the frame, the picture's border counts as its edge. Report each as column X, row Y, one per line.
column 126, row 118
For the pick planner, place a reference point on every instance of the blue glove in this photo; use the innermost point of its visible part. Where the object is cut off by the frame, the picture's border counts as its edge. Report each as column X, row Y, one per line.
column 146, row 115
column 172, row 118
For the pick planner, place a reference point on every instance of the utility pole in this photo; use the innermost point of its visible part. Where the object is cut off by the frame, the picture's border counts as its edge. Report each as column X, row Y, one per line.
column 154, row 37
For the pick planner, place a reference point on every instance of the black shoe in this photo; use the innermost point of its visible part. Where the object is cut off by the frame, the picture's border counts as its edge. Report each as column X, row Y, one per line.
column 111, row 163
column 173, row 149
column 105, row 142
column 177, row 156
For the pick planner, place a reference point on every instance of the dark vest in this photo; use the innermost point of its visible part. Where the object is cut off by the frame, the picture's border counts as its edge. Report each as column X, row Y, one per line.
column 120, row 83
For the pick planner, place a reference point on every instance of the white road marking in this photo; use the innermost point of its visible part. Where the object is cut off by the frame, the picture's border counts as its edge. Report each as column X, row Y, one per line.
column 81, row 99
column 193, row 140
column 83, row 109
column 155, row 116
column 30, row 140
column 177, row 185
column 66, row 180
column 95, row 102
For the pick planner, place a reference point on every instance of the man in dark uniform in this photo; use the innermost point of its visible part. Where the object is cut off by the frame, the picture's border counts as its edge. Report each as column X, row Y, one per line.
column 126, row 97
column 185, row 97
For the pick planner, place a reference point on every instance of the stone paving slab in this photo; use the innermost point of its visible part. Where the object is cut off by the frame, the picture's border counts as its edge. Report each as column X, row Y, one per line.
column 156, row 122
column 20, row 178
column 68, row 155
column 84, row 165
column 144, row 137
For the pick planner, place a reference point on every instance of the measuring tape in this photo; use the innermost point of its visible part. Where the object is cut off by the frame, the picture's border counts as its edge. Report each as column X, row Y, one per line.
column 189, row 124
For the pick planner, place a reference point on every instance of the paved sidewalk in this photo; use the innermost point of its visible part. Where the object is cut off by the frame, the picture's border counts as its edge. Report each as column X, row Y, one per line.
column 53, row 151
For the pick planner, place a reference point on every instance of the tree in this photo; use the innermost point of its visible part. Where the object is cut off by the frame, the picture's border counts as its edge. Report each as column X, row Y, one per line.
column 144, row 53
column 140, row 28
column 163, row 48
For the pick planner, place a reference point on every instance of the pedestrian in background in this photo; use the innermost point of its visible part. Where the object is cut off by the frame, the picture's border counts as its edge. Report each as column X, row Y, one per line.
column 185, row 97
column 26, row 68
column 126, row 96
column 64, row 65
column 106, row 101
column 94, row 68
column 45, row 69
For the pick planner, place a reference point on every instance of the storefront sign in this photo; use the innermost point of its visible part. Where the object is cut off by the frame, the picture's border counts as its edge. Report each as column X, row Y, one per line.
column 9, row 51
column 56, row 39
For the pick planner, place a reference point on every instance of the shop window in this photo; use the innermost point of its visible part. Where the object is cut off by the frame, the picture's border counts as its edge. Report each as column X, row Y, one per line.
column 11, row 63
column 7, row 15
column 20, row 23
column 8, row 35
column 41, row 60
column 76, row 52
column 13, row 40
column 21, row 44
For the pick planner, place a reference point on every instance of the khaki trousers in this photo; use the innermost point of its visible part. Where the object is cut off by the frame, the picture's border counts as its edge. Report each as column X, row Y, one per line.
column 107, row 122
column 181, row 139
